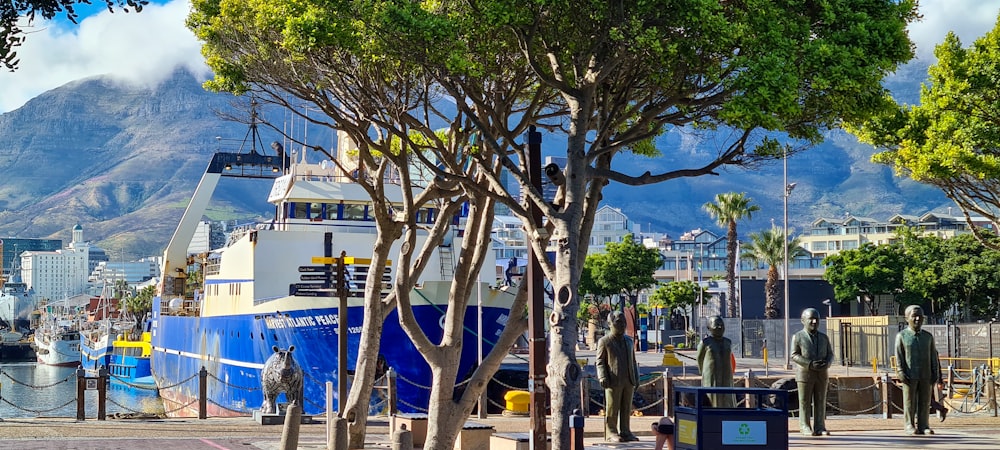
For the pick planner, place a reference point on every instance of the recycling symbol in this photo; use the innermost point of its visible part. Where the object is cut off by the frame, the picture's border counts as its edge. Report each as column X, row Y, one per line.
column 744, row 429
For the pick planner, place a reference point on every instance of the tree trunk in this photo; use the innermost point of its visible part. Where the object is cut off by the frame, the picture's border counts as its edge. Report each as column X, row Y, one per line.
column 771, row 310
column 732, row 306
column 563, row 370
column 355, row 407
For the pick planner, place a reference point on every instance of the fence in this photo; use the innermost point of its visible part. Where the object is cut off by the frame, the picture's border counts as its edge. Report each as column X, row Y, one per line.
column 864, row 341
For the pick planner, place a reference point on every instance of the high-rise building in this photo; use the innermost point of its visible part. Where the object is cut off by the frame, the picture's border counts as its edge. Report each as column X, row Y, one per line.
column 58, row 273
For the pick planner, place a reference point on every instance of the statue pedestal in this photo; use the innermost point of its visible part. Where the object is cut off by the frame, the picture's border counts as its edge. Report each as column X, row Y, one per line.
column 277, row 418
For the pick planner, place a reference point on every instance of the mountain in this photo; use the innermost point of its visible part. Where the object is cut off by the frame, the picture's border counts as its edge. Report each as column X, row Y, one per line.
column 123, row 161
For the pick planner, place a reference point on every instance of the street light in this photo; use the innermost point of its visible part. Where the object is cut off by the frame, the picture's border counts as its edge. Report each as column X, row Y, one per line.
column 788, row 191
column 829, row 308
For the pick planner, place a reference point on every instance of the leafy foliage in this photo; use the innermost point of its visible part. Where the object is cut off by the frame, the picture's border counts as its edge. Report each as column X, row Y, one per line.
column 626, row 267
column 869, row 271
column 675, row 295
column 141, row 304
column 951, row 140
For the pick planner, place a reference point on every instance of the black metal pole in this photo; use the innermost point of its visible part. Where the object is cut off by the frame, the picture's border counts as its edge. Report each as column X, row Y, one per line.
column 536, row 308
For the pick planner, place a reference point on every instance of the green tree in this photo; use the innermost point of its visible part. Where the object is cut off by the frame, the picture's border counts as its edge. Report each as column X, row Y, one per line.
column 612, row 79
column 12, row 32
column 626, row 269
column 728, row 209
column 676, row 295
column 590, row 285
column 869, row 272
column 768, row 247
column 141, row 304
column 950, row 139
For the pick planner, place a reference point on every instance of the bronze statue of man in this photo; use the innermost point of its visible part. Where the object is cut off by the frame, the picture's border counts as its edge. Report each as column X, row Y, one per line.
column 618, row 374
column 812, row 356
column 715, row 354
column 918, row 368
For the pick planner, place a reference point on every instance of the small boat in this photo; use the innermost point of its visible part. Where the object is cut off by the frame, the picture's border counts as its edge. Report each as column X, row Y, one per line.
column 98, row 333
column 130, row 360
column 57, row 342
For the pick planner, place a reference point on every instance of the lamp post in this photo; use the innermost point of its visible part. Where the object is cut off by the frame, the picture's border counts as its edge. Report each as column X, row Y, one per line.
column 788, row 191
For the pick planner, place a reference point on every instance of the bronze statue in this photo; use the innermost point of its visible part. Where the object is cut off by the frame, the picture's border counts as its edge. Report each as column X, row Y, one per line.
column 918, row 368
column 812, row 356
column 715, row 353
column 619, row 375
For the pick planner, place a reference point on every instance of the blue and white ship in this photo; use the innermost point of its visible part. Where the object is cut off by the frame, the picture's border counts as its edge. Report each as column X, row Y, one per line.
column 260, row 291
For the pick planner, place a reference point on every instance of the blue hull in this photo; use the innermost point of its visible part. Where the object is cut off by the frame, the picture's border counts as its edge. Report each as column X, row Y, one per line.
column 233, row 349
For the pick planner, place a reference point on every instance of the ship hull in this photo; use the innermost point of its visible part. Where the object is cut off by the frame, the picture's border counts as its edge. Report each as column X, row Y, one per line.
column 59, row 350
column 233, row 350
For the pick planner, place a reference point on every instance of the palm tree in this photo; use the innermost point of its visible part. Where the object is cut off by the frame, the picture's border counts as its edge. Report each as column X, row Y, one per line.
column 767, row 247
column 728, row 209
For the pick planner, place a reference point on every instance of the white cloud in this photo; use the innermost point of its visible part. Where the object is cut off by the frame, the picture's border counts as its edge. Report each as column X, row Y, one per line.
column 146, row 47
column 969, row 19
column 137, row 48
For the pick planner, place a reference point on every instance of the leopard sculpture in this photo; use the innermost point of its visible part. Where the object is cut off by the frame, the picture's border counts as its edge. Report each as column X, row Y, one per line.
column 280, row 374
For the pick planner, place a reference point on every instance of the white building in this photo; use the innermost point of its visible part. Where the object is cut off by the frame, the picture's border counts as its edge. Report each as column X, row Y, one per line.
column 60, row 273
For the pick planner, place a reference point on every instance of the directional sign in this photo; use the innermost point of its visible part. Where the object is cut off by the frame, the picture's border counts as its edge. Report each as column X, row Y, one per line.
column 308, row 293
column 312, row 268
column 324, row 260
column 308, row 286
column 314, row 277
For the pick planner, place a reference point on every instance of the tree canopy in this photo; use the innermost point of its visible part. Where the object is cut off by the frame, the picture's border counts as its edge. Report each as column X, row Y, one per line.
column 870, row 271
column 951, row 139
column 15, row 15
column 610, row 76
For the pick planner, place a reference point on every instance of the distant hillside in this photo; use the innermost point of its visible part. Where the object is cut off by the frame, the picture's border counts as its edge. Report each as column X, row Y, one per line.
column 123, row 161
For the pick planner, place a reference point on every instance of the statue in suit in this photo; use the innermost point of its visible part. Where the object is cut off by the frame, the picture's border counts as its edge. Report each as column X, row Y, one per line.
column 918, row 368
column 812, row 356
column 715, row 354
column 618, row 374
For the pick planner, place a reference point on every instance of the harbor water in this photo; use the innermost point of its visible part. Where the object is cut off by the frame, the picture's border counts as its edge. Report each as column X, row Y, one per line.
column 28, row 389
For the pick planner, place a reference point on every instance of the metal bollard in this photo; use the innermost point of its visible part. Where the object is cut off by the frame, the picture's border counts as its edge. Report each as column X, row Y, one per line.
column 576, row 430
column 81, row 394
column 886, row 397
column 102, row 393
column 290, row 432
column 203, row 393
column 402, row 439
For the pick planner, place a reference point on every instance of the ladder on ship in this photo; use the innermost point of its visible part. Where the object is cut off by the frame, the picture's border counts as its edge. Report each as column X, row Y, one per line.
column 447, row 257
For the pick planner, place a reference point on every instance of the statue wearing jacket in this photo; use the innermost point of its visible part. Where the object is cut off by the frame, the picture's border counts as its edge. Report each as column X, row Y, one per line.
column 812, row 356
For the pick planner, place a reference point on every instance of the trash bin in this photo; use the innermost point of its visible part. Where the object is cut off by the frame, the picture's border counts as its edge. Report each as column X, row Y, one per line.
column 643, row 341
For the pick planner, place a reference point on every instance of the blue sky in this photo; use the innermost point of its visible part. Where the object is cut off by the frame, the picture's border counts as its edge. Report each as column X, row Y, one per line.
column 145, row 48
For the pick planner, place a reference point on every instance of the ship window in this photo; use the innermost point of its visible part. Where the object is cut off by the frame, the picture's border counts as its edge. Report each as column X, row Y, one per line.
column 369, row 215
column 315, row 210
column 301, row 210
column 354, row 212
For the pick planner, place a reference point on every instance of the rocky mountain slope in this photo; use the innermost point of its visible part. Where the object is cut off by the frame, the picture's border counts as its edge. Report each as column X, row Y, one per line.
column 122, row 161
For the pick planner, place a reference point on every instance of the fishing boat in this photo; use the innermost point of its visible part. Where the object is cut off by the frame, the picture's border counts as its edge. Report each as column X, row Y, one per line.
column 269, row 286
column 57, row 339
column 98, row 332
column 131, row 356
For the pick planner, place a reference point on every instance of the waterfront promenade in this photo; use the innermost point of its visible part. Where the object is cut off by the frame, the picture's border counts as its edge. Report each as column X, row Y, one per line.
column 978, row 431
